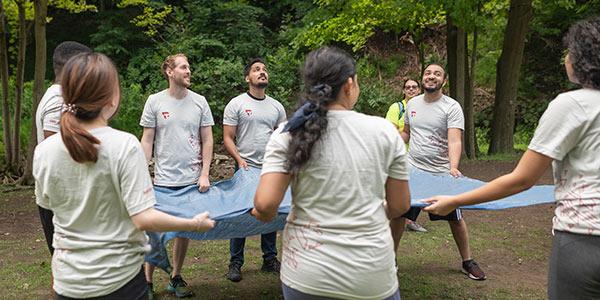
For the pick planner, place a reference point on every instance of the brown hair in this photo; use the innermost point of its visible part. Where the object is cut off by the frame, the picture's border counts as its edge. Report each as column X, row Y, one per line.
column 169, row 63
column 88, row 84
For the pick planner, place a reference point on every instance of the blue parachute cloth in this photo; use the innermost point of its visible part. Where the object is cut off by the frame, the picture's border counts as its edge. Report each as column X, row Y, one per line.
column 424, row 185
column 229, row 202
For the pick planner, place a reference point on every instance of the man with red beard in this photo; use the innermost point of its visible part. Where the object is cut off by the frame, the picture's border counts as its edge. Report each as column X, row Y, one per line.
column 434, row 124
column 178, row 127
column 248, row 122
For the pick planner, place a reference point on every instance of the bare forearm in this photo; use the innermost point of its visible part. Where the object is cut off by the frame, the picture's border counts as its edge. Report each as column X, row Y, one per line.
column 207, row 154
column 500, row 187
column 231, row 148
column 147, row 148
column 154, row 220
column 454, row 153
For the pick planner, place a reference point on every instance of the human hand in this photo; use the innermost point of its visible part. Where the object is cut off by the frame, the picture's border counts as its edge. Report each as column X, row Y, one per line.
column 455, row 173
column 242, row 164
column 202, row 222
column 440, row 205
column 203, row 183
column 261, row 217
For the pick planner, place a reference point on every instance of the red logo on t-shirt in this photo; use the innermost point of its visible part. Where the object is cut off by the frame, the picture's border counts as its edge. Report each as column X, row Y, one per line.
column 165, row 114
column 413, row 113
column 248, row 112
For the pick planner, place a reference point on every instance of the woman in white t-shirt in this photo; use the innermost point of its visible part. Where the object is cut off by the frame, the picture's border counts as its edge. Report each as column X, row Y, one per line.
column 568, row 137
column 94, row 178
column 342, row 166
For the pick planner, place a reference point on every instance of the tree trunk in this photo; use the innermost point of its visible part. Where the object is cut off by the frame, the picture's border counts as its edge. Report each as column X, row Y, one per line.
column 4, row 77
column 22, row 46
column 470, row 138
column 456, row 57
column 507, row 76
column 41, row 10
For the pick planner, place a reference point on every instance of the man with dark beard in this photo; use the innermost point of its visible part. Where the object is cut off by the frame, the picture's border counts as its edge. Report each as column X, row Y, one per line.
column 248, row 121
column 434, row 123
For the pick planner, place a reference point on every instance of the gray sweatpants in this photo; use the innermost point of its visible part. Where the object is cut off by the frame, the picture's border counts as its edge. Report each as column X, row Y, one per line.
column 574, row 267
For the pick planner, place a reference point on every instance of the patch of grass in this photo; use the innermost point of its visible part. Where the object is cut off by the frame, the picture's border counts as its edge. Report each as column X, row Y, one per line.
column 429, row 264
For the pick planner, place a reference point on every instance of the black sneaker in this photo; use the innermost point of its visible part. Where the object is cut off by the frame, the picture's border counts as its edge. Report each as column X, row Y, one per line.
column 235, row 272
column 179, row 287
column 472, row 269
column 271, row 265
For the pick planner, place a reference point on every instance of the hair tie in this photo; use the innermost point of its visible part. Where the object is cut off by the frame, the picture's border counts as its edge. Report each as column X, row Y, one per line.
column 71, row 108
column 321, row 90
column 306, row 112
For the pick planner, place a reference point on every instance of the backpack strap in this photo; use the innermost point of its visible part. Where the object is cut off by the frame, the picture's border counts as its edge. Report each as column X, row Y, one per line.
column 401, row 107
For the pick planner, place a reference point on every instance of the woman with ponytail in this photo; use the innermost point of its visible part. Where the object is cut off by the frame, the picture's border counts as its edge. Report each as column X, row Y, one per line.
column 343, row 168
column 95, row 180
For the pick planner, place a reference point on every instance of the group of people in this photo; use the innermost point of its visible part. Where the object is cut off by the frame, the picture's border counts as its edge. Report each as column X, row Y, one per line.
column 348, row 173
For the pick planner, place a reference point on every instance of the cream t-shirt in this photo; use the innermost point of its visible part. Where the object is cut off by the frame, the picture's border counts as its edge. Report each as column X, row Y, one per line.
column 97, row 247
column 569, row 133
column 337, row 241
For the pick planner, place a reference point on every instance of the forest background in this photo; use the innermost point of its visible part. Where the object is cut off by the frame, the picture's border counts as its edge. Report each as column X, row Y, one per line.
column 504, row 57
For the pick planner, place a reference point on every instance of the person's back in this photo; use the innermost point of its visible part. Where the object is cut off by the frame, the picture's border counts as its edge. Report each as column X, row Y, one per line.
column 338, row 214
column 87, row 200
column 349, row 175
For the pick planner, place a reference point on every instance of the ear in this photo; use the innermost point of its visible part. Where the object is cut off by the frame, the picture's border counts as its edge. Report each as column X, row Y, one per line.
column 246, row 78
column 169, row 72
column 347, row 88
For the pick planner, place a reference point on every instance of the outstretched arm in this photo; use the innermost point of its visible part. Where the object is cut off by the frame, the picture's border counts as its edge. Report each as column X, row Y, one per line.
column 530, row 168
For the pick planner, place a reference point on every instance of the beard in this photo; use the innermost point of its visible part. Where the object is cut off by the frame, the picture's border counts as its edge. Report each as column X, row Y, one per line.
column 182, row 82
column 434, row 89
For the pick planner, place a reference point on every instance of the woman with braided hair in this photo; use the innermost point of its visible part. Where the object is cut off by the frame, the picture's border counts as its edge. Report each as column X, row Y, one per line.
column 94, row 178
column 342, row 166
column 568, row 138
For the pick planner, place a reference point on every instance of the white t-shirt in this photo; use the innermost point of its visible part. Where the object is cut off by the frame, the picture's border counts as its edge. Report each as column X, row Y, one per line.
column 255, row 121
column 47, row 116
column 337, row 241
column 97, row 247
column 429, row 123
column 177, row 140
column 569, row 133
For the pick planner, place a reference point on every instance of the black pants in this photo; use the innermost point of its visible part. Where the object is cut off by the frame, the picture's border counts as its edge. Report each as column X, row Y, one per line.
column 135, row 289
column 46, row 216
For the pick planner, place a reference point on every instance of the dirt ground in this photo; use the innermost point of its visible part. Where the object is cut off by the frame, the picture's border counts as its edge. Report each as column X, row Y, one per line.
column 515, row 258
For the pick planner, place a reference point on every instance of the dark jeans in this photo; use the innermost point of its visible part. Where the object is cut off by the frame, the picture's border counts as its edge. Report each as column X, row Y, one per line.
column 268, row 243
column 135, row 289
column 46, row 216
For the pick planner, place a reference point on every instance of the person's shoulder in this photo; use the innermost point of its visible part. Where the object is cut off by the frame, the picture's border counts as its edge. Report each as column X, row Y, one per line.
column 275, row 102
column 195, row 95
column 52, row 95
column 117, row 138
column 579, row 94
column 158, row 95
column 449, row 100
column 416, row 99
column 239, row 98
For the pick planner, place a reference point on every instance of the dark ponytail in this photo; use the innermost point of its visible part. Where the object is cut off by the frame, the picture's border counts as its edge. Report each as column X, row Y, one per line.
column 324, row 73
column 88, row 84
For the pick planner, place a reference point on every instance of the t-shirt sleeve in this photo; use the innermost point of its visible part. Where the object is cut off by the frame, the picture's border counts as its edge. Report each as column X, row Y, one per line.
column 398, row 168
column 275, row 159
column 40, row 199
column 134, row 179
column 393, row 114
column 560, row 128
column 456, row 119
column 282, row 115
column 51, row 115
column 148, row 118
column 407, row 114
column 207, row 117
column 230, row 115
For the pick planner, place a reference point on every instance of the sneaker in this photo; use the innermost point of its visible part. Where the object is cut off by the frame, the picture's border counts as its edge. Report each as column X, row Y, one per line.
column 235, row 272
column 179, row 287
column 472, row 269
column 150, row 291
column 413, row 226
column 271, row 265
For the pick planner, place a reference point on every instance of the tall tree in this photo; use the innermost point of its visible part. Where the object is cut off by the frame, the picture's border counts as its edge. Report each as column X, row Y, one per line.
column 507, row 76
column 5, row 92
column 40, row 14
column 19, row 83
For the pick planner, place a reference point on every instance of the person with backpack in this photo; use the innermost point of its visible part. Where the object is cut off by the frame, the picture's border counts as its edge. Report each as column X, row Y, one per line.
column 395, row 114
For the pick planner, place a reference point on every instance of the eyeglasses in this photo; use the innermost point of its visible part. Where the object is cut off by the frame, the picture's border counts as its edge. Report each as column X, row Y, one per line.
column 411, row 87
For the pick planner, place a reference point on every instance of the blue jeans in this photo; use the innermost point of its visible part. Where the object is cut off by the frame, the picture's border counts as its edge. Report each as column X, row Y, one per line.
column 268, row 243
